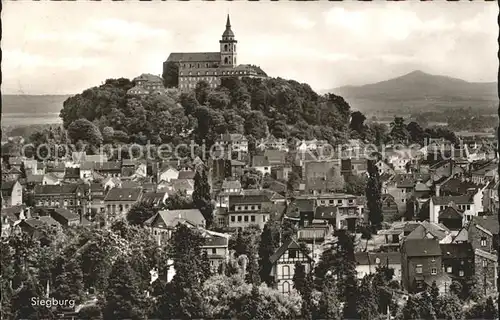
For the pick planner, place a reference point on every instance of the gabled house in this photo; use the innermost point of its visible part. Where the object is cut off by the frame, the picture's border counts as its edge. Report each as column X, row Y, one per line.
column 108, row 169
column 261, row 164
column 464, row 203
column 65, row 217
column 52, row 178
column 458, row 261
column 119, row 201
column 452, row 218
column 71, row 196
column 233, row 141
column 168, row 173
column 483, row 233
column 283, row 264
column 164, row 222
column 33, row 225
column 421, row 265
column 156, row 199
column 275, row 157
column 368, row 262
column 229, row 187
column 12, row 193
column 246, row 210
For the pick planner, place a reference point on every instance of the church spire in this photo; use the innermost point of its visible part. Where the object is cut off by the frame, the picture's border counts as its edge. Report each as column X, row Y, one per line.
column 228, row 22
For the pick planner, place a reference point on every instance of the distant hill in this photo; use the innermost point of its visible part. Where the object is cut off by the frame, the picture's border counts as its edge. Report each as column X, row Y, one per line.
column 419, row 91
column 29, row 104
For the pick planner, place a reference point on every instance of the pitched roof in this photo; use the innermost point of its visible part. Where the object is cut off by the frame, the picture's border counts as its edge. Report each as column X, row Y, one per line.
column 325, row 212
column 260, row 161
column 171, row 217
column 462, row 236
column 186, row 174
column 41, row 221
column 304, row 205
column 7, row 185
column 194, row 57
column 489, row 223
column 289, row 244
column 370, row 258
column 109, row 165
column 153, row 197
column 123, row 194
column 421, row 247
column 248, row 199
column 216, row 241
column 231, row 184
column 450, row 213
column 275, row 156
column 445, row 200
column 59, row 189
column 457, row 250
column 148, row 77
column 66, row 214
column 182, row 184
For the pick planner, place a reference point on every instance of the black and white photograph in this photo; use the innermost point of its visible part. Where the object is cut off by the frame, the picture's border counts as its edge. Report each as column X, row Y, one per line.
column 250, row 160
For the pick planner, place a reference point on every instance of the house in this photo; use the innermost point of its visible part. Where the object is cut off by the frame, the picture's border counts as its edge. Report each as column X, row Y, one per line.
column 246, row 210
column 119, row 201
column 273, row 143
column 97, row 194
column 283, row 264
column 73, row 196
column 485, row 174
column 464, row 203
column 168, row 173
column 229, row 187
column 353, row 166
column 458, row 261
column 12, row 193
column 156, row 199
column 110, row 183
column 33, row 179
column 486, row 271
column 368, row 262
column 162, row 224
column 261, row 164
column 384, row 168
column 421, row 265
column 389, row 207
column 216, row 247
column 482, row 233
column 86, row 170
column 233, row 141
column 72, row 175
column 33, row 225
column 108, row 169
column 275, row 157
column 451, row 217
column 12, row 216
column 429, row 230
column 186, row 175
column 323, row 176
column 52, row 178
column 34, row 166
column 65, row 217
column 350, row 211
column 149, row 82
column 178, row 185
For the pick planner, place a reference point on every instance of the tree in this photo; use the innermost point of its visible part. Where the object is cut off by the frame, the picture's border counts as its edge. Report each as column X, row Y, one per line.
column 329, row 304
column 179, row 200
column 84, row 130
column 415, row 132
column 69, row 284
column 399, row 133
column 303, row 283
column 356, row 184
column 170, row 74
column 411, row 309
column 357, row 123
column 490, row 309
column 373, row 196
column 202, row 199
column 367, row 302
column 123, row 297
column 181, row 298
column 251, row 179
column 268, row 244
column 140, row 212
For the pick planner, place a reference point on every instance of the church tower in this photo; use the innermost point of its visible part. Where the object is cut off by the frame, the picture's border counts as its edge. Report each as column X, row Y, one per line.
column 228, row 47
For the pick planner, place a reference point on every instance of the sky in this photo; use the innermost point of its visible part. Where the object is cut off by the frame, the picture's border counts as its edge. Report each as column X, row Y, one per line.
column 66, row 47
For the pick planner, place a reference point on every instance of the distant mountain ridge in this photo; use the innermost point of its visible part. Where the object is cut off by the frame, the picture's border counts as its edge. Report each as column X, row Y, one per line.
column 420, row 89
column 30, row 104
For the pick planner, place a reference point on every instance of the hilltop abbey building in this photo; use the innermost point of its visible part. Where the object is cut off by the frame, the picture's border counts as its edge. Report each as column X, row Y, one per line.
column 211, row 66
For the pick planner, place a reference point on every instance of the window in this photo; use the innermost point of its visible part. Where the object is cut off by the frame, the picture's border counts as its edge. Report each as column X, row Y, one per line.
column 292, row 254
column 245, row 218
column 286, row 287
column 214, row 250
column 461, row 273
column 418, row 269
column 483, row 241
column 286, row 271
column 239, row 218
column 339, row 201
column 485, row 263
column 331, row 201
column 433, row 271
column 449, row 269
column 252, row 218
column 468, row 207
column 233, row 219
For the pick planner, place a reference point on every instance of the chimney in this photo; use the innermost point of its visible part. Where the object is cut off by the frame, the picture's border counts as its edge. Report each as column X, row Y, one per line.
column 438, row 187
